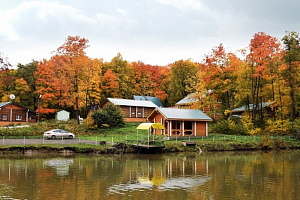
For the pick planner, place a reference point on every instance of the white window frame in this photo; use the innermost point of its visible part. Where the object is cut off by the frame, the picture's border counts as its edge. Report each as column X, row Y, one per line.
column 4, row 117
column 18, row 117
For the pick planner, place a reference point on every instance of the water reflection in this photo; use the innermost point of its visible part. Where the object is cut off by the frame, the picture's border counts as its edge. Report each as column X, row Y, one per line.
column 214, row 175
column 61, row 165
column 163, row 174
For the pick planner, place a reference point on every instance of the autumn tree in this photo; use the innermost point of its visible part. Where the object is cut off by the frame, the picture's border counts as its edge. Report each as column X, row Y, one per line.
column 73, row 49
column 89, row 87
column 49, row 82
column 150, row 80
column 292, row 71
column 182, row 79
column 7, row 79
column 263, row 48
column 26, row 84
column 109, row 85
column 217, row 80
column 124, row 73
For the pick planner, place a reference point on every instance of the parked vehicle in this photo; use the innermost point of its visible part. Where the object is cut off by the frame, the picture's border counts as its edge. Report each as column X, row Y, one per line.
column 58, row 133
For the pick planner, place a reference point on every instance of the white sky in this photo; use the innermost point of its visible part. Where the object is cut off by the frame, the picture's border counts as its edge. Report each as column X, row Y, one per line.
column 152, row 31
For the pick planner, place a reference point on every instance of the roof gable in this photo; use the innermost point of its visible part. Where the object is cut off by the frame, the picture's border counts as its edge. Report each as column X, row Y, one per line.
column 189, row 99
column 184, row 114
column 3, row 104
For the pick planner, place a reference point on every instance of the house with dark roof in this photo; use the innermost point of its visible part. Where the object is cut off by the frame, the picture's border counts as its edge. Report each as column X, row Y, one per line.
column 180, row 122
column 13, row 113
column 155, row 100
column 193, row 101
column 133, row 110
column 266, row 107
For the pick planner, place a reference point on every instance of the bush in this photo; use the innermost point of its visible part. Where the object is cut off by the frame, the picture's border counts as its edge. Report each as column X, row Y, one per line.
column 109, row 116
column 229, row 127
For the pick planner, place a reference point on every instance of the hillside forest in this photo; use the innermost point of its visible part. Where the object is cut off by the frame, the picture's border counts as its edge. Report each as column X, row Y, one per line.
column 265, row 71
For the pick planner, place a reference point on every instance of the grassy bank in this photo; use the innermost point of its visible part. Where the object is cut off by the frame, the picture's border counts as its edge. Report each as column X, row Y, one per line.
column 214, row 142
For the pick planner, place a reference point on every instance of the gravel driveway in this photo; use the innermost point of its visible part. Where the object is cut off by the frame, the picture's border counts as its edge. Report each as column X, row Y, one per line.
column 25, row 141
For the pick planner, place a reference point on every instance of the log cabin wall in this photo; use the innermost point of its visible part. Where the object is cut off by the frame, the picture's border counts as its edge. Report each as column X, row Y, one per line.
column 14, row 114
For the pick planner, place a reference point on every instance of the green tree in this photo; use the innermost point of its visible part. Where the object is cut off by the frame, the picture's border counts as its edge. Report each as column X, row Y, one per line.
column 110, row 115
column 183, row 78
column 291, row 73
column 26, row 72
column 125, row 76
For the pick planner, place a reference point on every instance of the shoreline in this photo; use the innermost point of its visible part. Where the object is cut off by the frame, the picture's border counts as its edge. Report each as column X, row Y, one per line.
column 170, row 147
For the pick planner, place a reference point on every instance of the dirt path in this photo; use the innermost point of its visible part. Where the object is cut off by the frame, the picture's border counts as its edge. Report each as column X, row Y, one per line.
column 44, row 141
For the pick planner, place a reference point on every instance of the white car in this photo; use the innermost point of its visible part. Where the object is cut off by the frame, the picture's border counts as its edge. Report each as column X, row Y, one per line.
column 58, row 133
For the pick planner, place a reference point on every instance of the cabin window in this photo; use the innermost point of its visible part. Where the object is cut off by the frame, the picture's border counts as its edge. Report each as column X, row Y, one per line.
column 18, row 117
column 4, row 117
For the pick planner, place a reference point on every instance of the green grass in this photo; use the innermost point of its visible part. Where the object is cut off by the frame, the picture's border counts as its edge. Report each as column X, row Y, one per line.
column 129, row 132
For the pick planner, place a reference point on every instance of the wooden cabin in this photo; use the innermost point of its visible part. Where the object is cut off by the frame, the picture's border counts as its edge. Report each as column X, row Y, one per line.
column 193, row 101
column 268, row 111
column 133, row 110
column 180, row 122
column 13, row 113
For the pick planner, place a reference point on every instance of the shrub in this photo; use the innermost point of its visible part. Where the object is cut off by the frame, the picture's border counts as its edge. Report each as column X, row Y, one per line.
column 230, row 126
column 110, row 116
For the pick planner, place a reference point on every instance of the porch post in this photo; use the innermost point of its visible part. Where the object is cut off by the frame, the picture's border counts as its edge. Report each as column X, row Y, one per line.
column 143, row 112
column 161, row 131
column 182, row 128
column 27, row 115
column 10, row 114
column 130, row 111
column 136, row 112
column 206, row 131
column 195, row 128
column 170, row 128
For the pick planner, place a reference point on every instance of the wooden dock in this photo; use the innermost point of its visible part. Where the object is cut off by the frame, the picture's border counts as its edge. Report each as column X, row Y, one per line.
column 148, row 146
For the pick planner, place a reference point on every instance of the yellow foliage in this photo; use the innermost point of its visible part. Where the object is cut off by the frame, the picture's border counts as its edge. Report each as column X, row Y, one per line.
column 90, row 122
column 227, row 112
column 256, row 131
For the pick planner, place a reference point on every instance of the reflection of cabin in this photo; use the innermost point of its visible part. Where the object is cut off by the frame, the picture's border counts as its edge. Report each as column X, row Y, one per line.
column 133, row 110
column 180, row 122
column 13, row 113
column 266, row 107
column 193, row 101
column 155, row 100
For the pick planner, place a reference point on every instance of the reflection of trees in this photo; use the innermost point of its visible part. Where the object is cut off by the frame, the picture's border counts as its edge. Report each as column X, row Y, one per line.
column 253, row 175
column 216, row 175
column 4, row 189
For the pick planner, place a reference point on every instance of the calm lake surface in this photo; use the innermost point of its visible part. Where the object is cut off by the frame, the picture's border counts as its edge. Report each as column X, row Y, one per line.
column 209, row 175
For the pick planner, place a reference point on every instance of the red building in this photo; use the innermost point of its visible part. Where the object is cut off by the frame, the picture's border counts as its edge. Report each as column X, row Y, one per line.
column 13, row 113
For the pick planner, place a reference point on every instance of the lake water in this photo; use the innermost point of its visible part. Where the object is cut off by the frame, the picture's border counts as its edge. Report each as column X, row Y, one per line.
column 212, row 175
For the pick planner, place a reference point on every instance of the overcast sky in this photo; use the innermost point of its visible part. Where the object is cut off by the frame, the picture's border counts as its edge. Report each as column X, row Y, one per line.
column 156, row 32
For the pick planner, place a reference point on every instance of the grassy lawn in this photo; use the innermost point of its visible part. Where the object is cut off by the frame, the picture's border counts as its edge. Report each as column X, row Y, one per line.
column 129, row 132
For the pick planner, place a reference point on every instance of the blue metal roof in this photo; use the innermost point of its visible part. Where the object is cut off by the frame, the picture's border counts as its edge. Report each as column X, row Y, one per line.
column 188, row 99
column 186, row 114
column 4, row 104
column 148, row 98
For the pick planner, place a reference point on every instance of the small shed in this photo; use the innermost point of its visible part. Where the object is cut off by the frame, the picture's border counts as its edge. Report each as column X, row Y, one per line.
column 62, row 115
